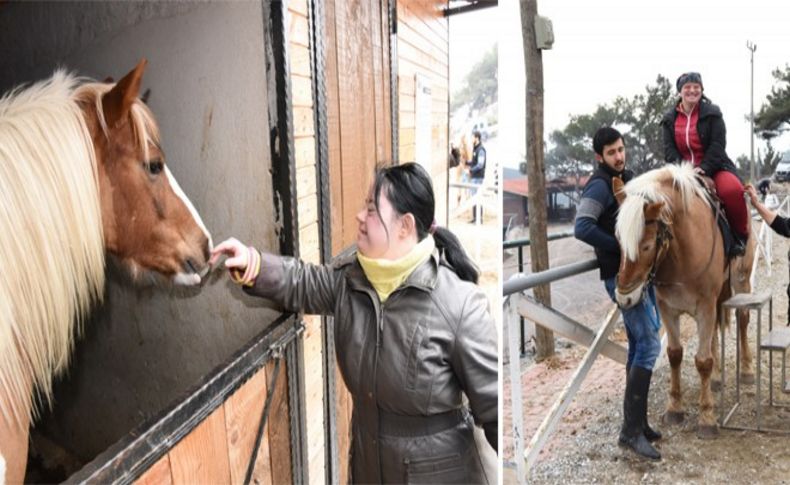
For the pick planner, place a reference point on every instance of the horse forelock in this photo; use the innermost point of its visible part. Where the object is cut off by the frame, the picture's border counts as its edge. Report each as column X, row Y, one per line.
column 51, row 241
column 144, row 127
column 659, row 185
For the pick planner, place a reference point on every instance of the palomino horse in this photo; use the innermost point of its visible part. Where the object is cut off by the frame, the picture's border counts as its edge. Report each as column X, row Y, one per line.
column 81, row 172
column 668, row 233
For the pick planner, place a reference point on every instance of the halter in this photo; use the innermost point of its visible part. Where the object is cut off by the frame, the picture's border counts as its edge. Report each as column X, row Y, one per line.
column 663, row 238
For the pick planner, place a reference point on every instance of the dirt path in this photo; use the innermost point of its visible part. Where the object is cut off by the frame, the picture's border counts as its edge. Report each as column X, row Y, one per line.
column 584, row 449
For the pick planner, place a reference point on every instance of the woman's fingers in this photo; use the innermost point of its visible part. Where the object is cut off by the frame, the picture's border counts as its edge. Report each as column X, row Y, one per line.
column 231, row 247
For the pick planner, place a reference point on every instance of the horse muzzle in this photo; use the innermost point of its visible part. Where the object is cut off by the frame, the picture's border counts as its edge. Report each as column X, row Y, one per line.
column 629, row 298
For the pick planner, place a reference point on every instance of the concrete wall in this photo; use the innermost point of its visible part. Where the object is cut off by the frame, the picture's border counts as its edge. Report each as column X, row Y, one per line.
column 145, row 347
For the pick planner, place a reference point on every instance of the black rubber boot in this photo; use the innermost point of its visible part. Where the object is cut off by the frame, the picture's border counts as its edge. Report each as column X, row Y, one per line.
column 632, row 434
column 650, row 433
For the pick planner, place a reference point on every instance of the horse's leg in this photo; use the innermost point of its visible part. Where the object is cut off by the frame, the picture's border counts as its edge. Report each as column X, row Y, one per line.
column 674, row 413
column 13, row 442
column 706, row 327
column 715, row 376
column 747, row 362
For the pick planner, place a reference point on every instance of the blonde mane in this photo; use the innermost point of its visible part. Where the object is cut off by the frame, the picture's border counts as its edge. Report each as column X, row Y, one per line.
column 648, row 188
column 51, row 240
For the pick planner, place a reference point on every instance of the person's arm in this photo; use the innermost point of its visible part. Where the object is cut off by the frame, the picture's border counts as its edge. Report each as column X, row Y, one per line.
column 779, row 224
column 474, row 361
column 291, row 283
column 716, row 153
column 590, row 208
column 671, row 153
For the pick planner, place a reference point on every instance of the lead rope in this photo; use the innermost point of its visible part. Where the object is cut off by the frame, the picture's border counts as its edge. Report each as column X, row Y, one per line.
column 264, row 416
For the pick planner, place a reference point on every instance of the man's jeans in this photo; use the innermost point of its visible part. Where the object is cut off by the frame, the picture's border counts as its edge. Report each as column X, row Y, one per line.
column 641, row 325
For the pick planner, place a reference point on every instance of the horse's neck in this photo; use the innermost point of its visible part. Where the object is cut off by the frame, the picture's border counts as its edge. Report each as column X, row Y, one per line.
column 695, row 239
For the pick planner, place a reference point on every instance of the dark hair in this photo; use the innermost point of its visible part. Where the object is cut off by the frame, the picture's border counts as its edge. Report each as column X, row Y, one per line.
column 476, row 134
column 409, row 189
column 605, row 136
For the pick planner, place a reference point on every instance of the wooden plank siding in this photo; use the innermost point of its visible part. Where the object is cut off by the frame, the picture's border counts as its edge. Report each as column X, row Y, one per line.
column 423, row 48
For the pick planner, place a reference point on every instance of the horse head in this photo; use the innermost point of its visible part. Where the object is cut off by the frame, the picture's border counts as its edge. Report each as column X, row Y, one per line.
column 149, row 224
column 644, row 238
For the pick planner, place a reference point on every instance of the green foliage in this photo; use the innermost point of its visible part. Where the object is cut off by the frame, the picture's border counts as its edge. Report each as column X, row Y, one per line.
column 776, row 109
column 479, row 87
column 637, row 118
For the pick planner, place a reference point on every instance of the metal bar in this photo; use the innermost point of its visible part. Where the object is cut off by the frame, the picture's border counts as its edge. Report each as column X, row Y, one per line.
column 515, row 243
column 515, row 402
column 394, row 117
column 281, row 125
column 129, row 457
column 294, row 360
column 524, row 282
column 567, row 327
column 520, row 318
column 478, row 5
column 550, row 422
column 316, row 21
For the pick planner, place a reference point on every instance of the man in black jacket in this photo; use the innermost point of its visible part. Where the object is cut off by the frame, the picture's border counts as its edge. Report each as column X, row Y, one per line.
column 595, row 222
column 477, row 170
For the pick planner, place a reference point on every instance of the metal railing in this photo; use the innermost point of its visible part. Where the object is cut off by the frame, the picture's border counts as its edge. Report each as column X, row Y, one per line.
column 520, row 244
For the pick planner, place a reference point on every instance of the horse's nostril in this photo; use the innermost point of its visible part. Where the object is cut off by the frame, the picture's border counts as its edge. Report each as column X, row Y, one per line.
column 191, row 266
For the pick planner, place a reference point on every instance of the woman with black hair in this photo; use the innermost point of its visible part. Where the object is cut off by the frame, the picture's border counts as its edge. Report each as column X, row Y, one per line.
column 413, row 333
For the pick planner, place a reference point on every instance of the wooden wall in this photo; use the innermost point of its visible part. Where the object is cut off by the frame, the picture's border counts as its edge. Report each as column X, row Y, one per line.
column 358, row 114
column 218, row 449
column 423, row 48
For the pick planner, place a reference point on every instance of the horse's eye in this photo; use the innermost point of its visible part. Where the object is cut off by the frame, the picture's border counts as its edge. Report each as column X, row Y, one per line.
column 646, row 247
column 155, row 167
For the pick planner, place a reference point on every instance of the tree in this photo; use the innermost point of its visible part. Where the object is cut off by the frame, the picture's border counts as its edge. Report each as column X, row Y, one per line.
column 479, row 87
column 536, row 170
column 637, row 118
column 776, row 110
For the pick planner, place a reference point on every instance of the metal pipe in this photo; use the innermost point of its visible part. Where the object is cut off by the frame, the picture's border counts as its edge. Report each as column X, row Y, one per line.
column 525, row 282
column 514, row 243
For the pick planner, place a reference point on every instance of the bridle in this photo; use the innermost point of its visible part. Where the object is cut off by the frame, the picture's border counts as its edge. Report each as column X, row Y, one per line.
column 663, row 237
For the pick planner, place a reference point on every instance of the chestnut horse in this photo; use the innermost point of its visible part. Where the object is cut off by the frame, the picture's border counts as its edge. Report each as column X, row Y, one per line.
column 81, row 173
column 668, row 233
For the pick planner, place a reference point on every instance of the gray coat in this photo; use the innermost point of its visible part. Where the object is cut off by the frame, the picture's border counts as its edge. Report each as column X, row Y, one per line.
column 406, row 362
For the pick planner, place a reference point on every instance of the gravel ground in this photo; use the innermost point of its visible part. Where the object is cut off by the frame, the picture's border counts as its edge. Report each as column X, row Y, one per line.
column 584, row 449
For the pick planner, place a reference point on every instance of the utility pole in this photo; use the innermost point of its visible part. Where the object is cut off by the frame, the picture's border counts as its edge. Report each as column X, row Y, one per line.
column 751, row 48
column 536, row 176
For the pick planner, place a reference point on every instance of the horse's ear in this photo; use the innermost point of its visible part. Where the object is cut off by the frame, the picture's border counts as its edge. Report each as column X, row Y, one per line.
column 617, row 188
column 652, row 211
column 146, row 94
column 118, row 101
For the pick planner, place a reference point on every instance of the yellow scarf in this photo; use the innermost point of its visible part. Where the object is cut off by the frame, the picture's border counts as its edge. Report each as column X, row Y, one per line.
column 387, row 275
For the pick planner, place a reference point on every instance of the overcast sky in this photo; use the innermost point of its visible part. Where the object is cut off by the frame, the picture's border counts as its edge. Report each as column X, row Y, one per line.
column 607, row 48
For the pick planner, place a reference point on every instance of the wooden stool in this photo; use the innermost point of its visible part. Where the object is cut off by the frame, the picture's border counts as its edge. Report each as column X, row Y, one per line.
column 743, row 301
column 776, row 340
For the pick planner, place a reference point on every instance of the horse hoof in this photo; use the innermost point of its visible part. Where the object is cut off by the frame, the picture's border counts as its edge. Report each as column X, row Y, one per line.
column 674, row 417
column 747, row 379
column 707, row 432
column 715, row 386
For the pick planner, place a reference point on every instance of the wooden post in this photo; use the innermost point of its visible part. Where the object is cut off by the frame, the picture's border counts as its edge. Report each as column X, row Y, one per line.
column 536, row 177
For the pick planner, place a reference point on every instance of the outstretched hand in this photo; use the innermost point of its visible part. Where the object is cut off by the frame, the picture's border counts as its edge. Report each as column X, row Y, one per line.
column 752, row 192
column 235, row 250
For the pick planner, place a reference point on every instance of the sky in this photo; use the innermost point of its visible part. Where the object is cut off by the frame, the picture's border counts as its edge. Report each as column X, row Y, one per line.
column 609, row 48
